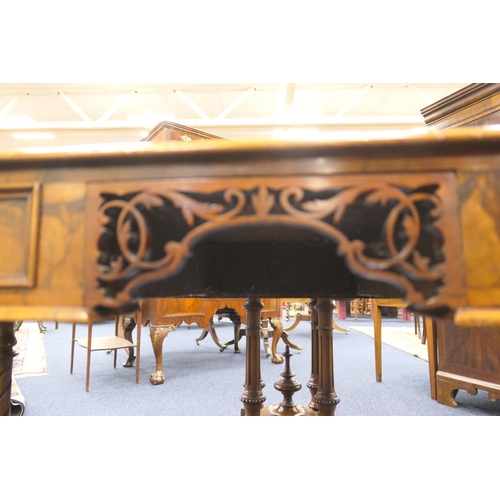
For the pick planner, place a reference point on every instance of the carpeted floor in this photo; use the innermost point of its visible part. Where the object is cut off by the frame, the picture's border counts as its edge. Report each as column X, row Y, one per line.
column 202, row 381
column 30, row 360
column 31, row 357
column 401, row 337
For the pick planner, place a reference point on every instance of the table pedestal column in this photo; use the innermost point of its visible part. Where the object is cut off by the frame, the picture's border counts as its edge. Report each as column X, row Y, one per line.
column 312, row 384
column 325, row 397
column 253, row 397
column 7, row 342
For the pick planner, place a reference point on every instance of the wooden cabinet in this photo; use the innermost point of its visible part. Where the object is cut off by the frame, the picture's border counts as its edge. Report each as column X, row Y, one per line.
column 169, row 131
column 467, row 358
column 199, row 311
column 476, row 105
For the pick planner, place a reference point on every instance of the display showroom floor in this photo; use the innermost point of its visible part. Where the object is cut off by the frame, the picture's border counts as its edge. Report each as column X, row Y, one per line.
column 202, row 381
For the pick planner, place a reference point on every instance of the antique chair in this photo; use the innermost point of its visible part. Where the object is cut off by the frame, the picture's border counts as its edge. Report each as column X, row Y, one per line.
column 107, row 343
column 377, row 327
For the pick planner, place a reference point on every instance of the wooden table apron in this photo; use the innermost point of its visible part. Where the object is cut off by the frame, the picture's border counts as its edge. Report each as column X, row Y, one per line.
column 103, row 230
column 189, row 211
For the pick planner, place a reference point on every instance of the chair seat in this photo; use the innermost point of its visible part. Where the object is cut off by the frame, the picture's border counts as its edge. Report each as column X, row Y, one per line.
column 106, row 343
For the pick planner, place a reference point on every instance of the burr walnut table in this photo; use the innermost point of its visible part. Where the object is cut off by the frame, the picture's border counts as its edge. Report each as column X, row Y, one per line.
column 89, row 232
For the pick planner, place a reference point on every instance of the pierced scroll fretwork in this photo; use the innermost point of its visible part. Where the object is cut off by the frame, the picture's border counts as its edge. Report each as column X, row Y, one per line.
column 384, row 231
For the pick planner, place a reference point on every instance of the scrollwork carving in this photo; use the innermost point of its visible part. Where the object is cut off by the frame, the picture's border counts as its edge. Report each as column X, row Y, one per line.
column 148, row 234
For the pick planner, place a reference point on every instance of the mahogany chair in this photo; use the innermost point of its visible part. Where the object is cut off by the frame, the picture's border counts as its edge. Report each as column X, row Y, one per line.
column 106, row 343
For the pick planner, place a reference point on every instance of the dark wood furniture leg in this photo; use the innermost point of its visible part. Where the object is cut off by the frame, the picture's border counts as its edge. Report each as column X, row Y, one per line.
column 377, row 336
column 430, row 333
column 210, row 329
column 282, row 333
column 158, row 334
column 235, row 319
column 41, row 327
column 339, row 328
column 312, row 384
column 7, row 354
column 128, row 325
column 253, row 398
column 326, row 397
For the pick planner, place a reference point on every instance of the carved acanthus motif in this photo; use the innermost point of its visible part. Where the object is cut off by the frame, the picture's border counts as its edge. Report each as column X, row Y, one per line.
column 147, row 235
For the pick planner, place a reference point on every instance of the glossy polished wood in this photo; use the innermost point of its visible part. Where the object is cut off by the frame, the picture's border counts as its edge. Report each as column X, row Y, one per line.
column 467, row 358
column 381, row 218
column 476, row 105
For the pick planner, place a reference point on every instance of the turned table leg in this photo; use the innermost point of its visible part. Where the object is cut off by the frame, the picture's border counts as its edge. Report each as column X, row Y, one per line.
column 325, row 397
column 312, row 384
column 252, row 397
column 7, row 354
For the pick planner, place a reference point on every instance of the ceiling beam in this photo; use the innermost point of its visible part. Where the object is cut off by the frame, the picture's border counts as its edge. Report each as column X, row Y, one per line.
column 192, row 105
column 235, row 103
column 75, row 107
column 117, row 105
column 289, row 95
column 353, row 101
column 12, row 104
column 425, row 98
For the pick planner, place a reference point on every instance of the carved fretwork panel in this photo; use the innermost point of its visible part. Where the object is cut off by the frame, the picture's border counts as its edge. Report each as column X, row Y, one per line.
column 389, row 229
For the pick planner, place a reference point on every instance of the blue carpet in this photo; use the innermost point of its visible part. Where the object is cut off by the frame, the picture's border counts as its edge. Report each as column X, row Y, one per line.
column 202, row 381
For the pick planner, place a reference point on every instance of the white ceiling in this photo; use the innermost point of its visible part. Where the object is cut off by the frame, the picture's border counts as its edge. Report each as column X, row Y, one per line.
column 105, row 112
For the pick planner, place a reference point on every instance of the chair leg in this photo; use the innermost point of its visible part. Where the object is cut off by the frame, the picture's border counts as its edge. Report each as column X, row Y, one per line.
column 377, row 335
column 73, row 335
column 115, row 354
column 89, row 352
column 138, row 348
column 430, row 331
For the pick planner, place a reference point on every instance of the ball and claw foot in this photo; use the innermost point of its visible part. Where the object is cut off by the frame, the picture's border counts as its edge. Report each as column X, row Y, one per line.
column 157, row 378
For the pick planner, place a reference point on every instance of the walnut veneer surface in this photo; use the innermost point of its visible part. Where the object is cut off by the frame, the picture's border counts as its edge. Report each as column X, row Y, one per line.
column 89, row 232
column 467, row 358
